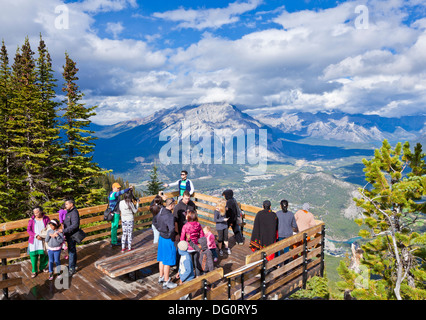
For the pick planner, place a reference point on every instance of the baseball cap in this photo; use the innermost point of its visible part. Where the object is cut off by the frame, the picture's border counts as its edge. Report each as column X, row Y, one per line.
column 116, row 185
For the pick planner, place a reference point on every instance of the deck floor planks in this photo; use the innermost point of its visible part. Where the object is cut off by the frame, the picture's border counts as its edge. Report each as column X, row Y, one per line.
column 89, row 283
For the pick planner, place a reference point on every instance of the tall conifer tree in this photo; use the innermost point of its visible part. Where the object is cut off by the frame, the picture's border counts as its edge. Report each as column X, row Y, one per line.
column 79, row 170
column 27, row 130
column 46, row 84
column 5, row 96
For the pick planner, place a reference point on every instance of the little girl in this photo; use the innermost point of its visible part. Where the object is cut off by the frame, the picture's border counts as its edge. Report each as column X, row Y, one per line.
column 193, row 228
column 222, row 226
column 54, row 240
column 211, row 241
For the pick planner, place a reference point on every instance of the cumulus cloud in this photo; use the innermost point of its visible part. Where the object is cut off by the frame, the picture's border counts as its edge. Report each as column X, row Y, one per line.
column 305, row 60
column 213, row 18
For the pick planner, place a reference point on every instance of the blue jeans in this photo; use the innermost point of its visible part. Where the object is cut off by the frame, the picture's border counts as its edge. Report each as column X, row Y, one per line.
column 277, row 254
column 72, row 253
column 54, row 258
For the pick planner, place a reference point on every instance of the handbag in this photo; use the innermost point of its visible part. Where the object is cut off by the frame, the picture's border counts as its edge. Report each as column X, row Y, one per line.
column 109, row 213
column 78, row 236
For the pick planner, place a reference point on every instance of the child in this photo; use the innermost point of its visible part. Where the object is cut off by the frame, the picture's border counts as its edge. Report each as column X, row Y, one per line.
column 204, row 255
column 62, row 213
column 127, row 209
column 186, row 269
column 211, row 241
column 54, row 240
column 222, row 226
column 192, row 228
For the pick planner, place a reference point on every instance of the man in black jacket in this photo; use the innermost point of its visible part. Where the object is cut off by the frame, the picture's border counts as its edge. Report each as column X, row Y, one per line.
column 180, row 209
column 231, row 213
column 71, row 225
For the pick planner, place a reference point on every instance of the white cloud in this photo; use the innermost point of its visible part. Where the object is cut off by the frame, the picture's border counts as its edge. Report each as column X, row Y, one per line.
column 94, row 6
column 311, row 60
column 115, row 28
column 213, row 18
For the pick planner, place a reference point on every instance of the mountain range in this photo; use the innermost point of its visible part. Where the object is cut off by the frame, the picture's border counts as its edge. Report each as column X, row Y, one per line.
column 302, row 135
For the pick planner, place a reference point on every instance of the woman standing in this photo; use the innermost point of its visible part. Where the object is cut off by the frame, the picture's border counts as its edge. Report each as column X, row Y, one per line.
column 127, row 209
column 36, row 224
column 264, row 229
column 222, row 226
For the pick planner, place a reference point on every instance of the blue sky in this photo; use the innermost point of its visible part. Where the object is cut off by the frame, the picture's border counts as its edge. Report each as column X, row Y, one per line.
column 137, row 57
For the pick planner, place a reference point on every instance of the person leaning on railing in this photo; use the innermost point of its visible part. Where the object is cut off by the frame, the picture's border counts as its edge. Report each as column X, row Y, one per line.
column 114, row 198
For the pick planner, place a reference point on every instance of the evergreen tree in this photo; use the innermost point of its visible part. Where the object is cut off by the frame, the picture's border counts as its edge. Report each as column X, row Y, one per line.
column 392, row 208
column 154, row 185
column 27, row 131
column 78, row 170
column 5, row 96
column 46, row 84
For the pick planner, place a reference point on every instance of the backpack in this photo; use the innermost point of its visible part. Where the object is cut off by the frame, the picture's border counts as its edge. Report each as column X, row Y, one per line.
column 109, row 213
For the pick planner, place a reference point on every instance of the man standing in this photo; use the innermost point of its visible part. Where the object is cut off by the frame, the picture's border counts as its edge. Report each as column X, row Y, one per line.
column 114, row 199
column 286, row 224
column 71, row 225
column 179, row 211
column 166, row 254
column 184, row 184
column 231, row 213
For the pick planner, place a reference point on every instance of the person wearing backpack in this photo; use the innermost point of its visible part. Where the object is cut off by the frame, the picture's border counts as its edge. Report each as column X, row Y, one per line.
column 114, row 199
column 232, row 210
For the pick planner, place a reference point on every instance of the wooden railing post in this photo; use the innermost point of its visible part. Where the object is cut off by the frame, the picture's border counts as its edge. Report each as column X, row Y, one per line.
column 263, row 275
column 242, row 286
column 322, row 250
column 204, row 289
column 4, row 277
column 7, row 282
column 305, row 260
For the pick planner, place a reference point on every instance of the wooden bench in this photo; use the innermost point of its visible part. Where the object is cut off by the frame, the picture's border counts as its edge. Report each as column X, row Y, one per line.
column 129, row 261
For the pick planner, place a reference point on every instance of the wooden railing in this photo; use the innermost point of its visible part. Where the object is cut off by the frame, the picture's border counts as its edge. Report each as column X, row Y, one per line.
column 5, row 282
column 14, row 234
column 257, row 279
column 261, row 279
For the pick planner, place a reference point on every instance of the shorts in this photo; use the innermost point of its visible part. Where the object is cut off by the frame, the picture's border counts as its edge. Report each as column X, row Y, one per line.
column 166, row 251
column 222, row 235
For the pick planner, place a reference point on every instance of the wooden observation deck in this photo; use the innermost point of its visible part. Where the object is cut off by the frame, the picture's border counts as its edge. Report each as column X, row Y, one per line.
column 104, row 273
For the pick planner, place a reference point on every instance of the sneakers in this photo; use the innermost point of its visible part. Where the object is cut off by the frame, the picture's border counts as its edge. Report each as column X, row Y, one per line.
column 169, row 285
column 221, row 252
column 51, row 276
column 229, row 251
column 160, row 280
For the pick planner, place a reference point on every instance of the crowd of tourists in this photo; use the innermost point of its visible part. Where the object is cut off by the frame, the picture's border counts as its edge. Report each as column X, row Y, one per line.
column 182, row 241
